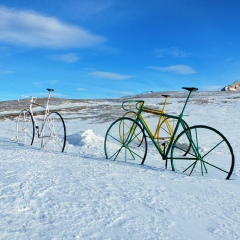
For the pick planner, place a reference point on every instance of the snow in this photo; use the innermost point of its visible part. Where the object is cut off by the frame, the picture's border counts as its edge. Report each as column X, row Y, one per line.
column 79, row 194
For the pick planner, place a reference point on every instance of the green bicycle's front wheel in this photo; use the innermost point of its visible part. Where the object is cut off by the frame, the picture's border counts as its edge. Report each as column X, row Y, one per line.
column 54, row 133
column 210, row 153
column 125, row 140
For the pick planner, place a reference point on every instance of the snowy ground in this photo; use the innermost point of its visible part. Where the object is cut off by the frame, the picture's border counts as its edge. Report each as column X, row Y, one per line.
column 79, row 194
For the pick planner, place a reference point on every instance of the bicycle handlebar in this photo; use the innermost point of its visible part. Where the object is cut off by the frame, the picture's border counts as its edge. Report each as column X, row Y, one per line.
column 130, row 104
column 31, row 98
column 34, row 99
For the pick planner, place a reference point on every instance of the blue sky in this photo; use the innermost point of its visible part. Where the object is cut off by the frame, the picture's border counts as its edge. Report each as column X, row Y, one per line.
column 112, row 48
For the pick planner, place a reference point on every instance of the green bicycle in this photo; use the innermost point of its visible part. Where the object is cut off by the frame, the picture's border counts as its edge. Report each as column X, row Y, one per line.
column 198, row 149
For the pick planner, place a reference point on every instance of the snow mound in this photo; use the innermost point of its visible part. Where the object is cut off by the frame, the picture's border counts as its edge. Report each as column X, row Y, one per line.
column 85, row 138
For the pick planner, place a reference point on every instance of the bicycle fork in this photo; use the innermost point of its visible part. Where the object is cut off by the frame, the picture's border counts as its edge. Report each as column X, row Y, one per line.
column 131, row 135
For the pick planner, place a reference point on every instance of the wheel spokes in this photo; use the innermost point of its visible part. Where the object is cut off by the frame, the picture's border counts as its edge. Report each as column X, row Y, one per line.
column 25, row 128
column 54, row 132
column 213, row 153
column 125, row 141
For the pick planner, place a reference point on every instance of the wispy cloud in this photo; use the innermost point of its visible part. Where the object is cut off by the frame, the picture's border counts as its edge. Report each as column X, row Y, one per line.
column 171, row 52
column 2, row 71
column 177, row 69
column 122, row 93
column 32, row 29
column 81, row 89
column 109, row 75
column 69, row 58
column 50, row 82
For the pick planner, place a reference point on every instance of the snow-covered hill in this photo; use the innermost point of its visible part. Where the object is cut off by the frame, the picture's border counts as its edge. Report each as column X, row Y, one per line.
column 79, row 194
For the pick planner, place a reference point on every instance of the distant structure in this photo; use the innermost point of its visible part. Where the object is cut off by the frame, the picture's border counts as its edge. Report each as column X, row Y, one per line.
column 234, row 87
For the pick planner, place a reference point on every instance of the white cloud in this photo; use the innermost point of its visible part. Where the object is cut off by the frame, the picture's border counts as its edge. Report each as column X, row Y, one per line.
column 52, row 82
column 69, row 58
column 6, row 72
column 171, row 52
column 109, row 75
column 122, row 93
column 178, row 69
column 34, row 30
column 81, row 89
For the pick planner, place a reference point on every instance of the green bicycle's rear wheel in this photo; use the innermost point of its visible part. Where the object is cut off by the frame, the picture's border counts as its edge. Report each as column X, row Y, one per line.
column 125, row 140
column 210, row 153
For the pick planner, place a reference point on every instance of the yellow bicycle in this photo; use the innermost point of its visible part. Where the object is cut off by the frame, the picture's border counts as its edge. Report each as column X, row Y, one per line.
column 165, row 126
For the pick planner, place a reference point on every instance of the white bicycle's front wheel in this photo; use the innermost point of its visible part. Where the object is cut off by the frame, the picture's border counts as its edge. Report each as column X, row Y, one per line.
column 25, row 128
column 54, row 133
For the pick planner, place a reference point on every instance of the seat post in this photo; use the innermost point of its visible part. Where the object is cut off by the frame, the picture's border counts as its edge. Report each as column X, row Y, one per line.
column 49, row 93
column 190, row 89
column 165, row 102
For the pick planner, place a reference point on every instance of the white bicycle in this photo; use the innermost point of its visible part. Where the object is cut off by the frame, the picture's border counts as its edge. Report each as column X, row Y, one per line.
column 52, row 132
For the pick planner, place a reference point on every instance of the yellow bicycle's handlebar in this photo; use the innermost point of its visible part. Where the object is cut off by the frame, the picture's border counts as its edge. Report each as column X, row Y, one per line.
column 132, row 104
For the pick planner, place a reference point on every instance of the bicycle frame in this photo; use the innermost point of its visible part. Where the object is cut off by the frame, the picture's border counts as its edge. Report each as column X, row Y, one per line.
column 140, row 118
column 52, row 131
column 33, row 102
column 148, row 110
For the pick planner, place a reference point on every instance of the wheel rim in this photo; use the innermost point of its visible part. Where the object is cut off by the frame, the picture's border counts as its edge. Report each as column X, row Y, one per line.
column 125, row 140
column 54, row 133
column 210, row 153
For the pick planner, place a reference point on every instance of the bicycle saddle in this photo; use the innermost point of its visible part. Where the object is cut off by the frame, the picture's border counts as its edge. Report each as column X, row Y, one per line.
column 50, row 90
column 191, row 89
column 165, row 95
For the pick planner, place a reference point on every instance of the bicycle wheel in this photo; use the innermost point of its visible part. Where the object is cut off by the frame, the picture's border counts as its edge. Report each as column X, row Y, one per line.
column 210, row 153
column 54, row 133
column 166, row 130
column 125, row 140
column 25, row 128
column 130, row 114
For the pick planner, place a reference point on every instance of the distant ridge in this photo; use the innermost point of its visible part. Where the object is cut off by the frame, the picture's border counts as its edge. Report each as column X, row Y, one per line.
column 234, row 87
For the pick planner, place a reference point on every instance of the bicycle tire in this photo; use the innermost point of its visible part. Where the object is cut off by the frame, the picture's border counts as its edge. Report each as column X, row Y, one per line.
column 25, row 128
column 126, row 143
column 210, row 153
column 54, row 133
